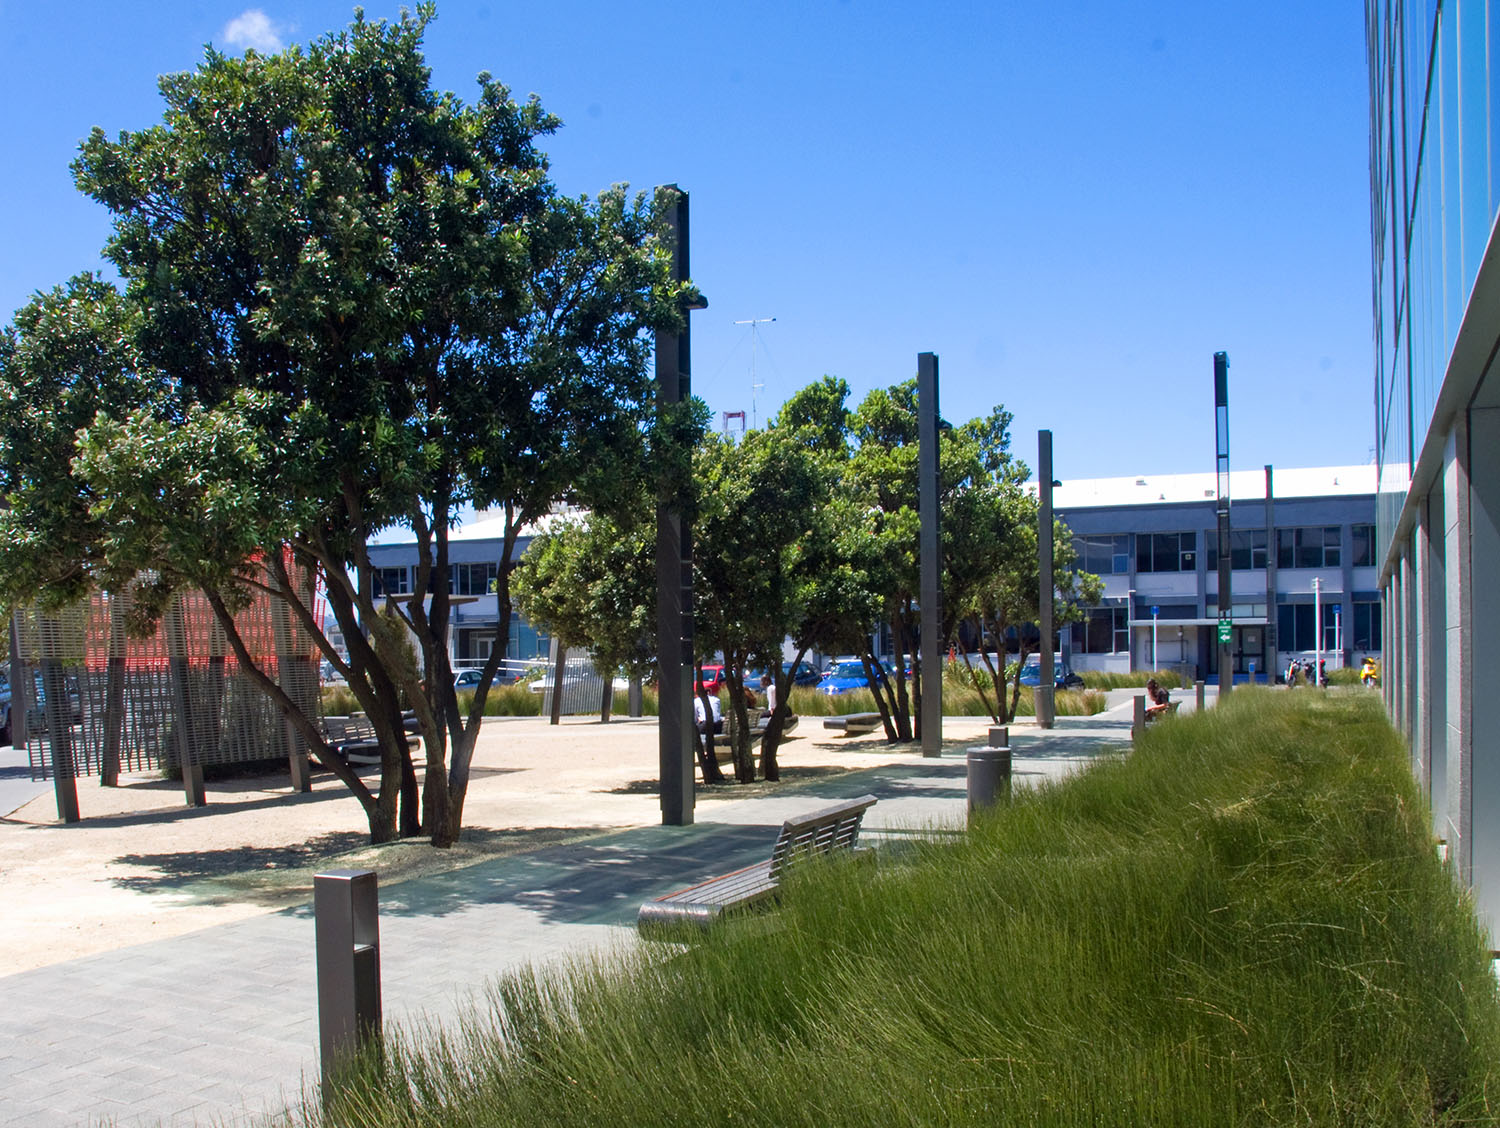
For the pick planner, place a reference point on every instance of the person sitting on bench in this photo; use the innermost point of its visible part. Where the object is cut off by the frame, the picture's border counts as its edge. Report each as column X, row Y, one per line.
column 1158, row 701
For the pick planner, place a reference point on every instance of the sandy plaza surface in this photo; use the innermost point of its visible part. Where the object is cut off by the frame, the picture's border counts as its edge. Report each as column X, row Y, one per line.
column 141, row 865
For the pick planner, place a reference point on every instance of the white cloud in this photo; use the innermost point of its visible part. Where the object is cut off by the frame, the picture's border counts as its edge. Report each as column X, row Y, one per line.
column 253, row 28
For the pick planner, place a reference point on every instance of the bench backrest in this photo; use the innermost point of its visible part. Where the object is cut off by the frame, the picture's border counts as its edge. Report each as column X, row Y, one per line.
column 821, row 832
column 349, row 730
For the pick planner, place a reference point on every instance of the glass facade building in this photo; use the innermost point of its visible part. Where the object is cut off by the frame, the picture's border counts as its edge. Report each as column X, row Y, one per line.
column 1435, row 194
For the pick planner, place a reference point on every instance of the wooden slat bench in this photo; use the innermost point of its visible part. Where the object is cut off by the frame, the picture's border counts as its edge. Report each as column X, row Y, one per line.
column 823, row 831
column 1171, row 708
column 854, row 724
column 354, row 738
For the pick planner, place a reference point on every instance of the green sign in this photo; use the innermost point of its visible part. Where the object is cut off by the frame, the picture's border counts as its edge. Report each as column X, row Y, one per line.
column 1226, row 626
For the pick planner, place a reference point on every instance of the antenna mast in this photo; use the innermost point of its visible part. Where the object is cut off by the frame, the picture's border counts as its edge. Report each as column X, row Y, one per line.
column 754, row 387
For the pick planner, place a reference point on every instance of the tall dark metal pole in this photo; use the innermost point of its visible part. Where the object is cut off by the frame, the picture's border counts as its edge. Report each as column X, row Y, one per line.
column 1046, row 687
column 931, row 561
column 674, row 561
column 1273, row 658
column 1226, row 593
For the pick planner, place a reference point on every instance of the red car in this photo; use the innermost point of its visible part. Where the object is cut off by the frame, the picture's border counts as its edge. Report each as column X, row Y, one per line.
column 713, row 679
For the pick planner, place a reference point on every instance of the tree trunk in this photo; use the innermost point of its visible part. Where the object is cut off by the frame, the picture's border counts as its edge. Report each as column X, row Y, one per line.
column 1015, row 695
column 881, row 694
column 903, row 705
column 771, row 739
column 738, row 722
column 708, row 761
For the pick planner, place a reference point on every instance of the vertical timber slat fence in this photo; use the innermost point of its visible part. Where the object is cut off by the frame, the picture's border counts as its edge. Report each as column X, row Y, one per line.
column 99, row 702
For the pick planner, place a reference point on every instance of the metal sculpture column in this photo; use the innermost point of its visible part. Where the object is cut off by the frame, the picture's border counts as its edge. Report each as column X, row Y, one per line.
column 1226, row 592
column 929, row 540
column 181, row 707
column 1272, row 657
column 346, row 935
column 292, row 675
column 674, row 552
column 114, row 695
column 1046, row 686
column 57, row 714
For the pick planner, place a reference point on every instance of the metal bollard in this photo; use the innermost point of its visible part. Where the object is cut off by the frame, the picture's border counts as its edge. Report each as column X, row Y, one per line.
column 1138, row 722
column 1199, row 687
column 1045, row 697
column 989, row 772
column 346, row 913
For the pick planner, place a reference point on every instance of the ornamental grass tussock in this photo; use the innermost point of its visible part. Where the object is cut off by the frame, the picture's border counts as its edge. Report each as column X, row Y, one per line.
column 1243, row 922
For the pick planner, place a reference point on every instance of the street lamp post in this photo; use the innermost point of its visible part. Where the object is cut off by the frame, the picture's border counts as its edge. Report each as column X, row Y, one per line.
column 1317, row 629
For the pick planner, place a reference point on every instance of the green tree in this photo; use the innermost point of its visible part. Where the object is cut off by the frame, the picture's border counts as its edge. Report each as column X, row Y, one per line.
column 369, row 308
column 1008, row 600
column 757, row 501
column 591, row 582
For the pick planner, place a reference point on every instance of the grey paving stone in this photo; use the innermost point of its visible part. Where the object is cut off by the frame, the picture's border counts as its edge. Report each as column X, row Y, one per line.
column 222, row 1023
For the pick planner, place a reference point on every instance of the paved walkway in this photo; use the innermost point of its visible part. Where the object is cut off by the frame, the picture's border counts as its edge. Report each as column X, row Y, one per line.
column 220, row 1026
column 17, row 788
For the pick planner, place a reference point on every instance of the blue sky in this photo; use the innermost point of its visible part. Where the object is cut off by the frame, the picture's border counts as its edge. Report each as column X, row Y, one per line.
column 1074, row 204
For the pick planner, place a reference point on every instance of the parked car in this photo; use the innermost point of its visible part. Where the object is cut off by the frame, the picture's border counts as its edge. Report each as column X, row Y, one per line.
column 713, row 679
column 466, row 679
column 1065, row 678
column 542, row 685
column 5, row 736
column 845, row 676
column 804, row 674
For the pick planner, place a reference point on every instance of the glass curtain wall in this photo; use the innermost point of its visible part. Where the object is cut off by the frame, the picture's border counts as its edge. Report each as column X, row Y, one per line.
column 1435, row 189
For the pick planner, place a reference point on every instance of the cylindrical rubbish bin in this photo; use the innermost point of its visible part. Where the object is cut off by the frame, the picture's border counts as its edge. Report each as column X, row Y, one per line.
column 989, row 777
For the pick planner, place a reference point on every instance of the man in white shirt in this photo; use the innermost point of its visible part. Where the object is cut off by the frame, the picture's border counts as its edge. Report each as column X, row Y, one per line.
column 717, row 709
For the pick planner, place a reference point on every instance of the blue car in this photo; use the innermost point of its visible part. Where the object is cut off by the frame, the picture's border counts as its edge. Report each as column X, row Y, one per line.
column 845, row 676
column 1031, row 673
column 805, row 675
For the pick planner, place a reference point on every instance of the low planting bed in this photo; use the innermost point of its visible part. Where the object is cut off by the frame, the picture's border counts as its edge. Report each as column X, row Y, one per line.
column 1244, row 922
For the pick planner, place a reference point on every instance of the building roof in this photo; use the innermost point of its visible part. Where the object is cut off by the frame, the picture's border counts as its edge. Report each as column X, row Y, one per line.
column 1244, row 485
column 481, row 526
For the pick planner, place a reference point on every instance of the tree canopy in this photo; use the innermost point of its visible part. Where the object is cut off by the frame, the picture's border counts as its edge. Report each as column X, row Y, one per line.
column 350, row 302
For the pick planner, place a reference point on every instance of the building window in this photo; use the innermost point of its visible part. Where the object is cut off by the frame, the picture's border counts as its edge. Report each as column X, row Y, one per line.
column 1106, row 554
column 1313, row 547
column 1363, row 538
column 391, row 581
column 1294, row 626
column 526, row 643
column 1166, row 552
column 471, row 579
column 1244, row 607
column 1366, row 625
column 1105, row 631
column 1247, row 549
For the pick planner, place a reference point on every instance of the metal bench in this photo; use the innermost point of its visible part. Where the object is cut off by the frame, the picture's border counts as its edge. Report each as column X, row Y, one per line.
column 1171, row 707
column 854, row 724
column 353, row 738
column 821, row 832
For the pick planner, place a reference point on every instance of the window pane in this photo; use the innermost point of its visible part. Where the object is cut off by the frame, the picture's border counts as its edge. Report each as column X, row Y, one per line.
column 1362, row 538
column 1164, row 552
column 1143, row 553
column 1309, row 551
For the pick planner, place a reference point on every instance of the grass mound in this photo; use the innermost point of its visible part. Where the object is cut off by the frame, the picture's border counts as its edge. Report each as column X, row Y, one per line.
column 1242, row 923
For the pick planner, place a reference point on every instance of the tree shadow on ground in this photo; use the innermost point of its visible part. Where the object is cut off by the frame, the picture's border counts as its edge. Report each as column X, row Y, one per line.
column 729, row 789
column 176, row 814
column 279, row 876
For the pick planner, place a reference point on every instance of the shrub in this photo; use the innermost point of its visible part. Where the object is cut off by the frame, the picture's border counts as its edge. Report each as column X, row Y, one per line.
column 1243, row 922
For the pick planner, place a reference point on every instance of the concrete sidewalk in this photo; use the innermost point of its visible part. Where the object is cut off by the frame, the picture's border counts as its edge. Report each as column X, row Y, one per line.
column 17, row 788
column 220, row 1026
